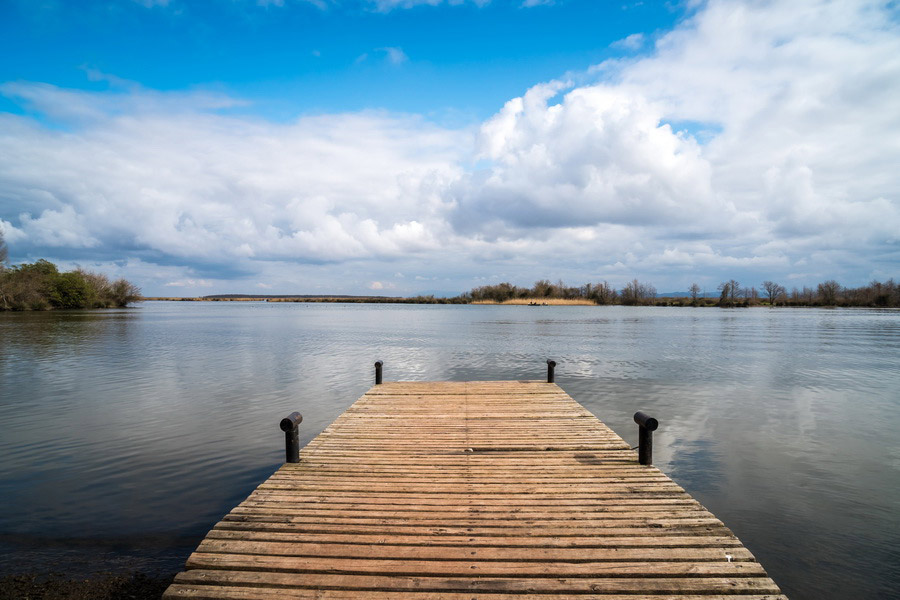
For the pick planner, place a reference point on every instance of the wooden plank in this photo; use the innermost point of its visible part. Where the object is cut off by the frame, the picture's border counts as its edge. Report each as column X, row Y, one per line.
column 457, row 490
column 204, row 592
column 525, row 586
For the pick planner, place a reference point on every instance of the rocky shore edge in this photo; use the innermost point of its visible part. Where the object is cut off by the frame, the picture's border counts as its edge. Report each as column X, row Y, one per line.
column 135, row 585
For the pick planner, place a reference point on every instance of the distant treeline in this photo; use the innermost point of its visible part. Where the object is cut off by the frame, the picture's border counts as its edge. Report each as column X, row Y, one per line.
column 731, row 294
column 40, row 286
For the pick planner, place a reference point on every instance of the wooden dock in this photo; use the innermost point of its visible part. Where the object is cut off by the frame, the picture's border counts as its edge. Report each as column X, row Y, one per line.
column 464, row 491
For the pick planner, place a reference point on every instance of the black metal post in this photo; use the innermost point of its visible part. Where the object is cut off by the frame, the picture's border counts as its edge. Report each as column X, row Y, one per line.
column 378, row 365
column 646, row 426
column 551, row 376
column 291, row 437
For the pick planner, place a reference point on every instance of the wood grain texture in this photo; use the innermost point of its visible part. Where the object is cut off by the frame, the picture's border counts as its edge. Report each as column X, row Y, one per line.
column 470, row 490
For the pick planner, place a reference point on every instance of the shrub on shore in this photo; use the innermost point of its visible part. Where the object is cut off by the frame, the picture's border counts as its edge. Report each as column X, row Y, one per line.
column 40, row 286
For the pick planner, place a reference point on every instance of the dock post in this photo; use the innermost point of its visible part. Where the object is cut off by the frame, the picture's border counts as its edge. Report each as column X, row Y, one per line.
column 291, row 437
column 551, row 376
column 646, row 426
column 378, row 365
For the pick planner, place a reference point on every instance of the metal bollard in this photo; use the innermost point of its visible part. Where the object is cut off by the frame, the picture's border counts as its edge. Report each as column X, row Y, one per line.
column 291, row 437
column 378, row 365
column 551, row 376
column 647, row 425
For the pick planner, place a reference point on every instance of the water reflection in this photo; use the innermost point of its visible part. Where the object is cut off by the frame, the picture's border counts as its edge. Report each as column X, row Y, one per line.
column 134, row 431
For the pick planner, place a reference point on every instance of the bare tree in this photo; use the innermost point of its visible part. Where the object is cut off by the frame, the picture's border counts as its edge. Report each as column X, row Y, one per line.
column 773, row 291
column 724, row 292
column 808, row 295
column 601, row 293
column 695, row 293
column 630, row 294
column 636, row 292
column 543, row 288
column 606, row 293
column 829, row 291
column 729, row 292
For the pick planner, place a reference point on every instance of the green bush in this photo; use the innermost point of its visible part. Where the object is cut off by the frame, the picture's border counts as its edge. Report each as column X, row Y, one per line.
column 123, row 292
column 70, row 290
column 40, row 286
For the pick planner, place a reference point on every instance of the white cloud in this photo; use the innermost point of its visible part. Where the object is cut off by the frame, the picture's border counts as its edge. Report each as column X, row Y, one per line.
column 632, row 42
column 197, row 185
column 802, row 93
column 394, row 55
column 598, row 156
column 189, row 283
column 58, row 228
column 799, row 95
column 10, row 233
column 388, row 5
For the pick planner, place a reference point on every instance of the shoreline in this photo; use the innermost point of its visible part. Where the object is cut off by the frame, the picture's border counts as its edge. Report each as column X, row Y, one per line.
column 135, row 585
column 530, row 302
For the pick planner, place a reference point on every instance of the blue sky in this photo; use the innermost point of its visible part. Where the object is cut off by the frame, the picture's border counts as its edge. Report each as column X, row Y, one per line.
column 463, row 60
column 402, row 146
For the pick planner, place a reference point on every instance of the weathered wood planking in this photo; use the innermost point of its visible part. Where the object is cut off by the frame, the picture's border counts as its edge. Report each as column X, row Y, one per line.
column 470, row 490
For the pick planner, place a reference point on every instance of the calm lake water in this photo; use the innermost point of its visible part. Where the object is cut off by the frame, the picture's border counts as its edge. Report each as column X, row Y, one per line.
column 125, row 435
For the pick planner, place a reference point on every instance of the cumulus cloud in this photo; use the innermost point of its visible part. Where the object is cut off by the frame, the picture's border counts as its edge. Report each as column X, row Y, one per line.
column 599, row 156
column 55, row 228
column 797, row 95
column 794, row 172
column 801, row 92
